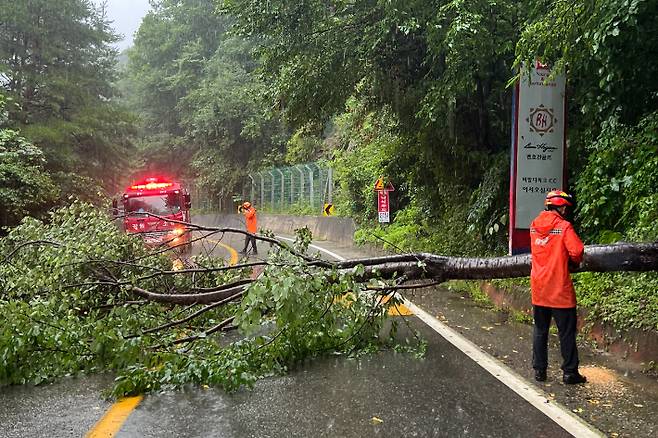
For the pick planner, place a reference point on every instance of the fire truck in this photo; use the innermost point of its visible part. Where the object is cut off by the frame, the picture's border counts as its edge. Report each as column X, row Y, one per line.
column 148, row 207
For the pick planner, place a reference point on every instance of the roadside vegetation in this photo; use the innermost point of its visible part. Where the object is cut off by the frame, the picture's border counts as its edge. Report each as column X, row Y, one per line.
column 62, row 132
column 418, row 91
column 75, row 299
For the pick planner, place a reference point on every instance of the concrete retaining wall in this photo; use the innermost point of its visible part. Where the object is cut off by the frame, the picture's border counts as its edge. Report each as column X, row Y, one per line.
column 336, row 229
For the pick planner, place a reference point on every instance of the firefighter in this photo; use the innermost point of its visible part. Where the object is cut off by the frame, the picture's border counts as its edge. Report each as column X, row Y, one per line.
column 249, row 213
column 554, row 245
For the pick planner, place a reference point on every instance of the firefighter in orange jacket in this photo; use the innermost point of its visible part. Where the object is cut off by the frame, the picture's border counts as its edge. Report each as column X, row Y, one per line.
column 249, row 213
column 554, row 243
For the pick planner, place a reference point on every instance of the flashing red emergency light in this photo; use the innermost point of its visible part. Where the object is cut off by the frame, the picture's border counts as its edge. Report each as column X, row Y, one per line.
column 151, row 184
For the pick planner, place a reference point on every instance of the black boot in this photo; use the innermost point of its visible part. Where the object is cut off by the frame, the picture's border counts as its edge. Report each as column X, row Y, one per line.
column 540, row 375
column 573, row 378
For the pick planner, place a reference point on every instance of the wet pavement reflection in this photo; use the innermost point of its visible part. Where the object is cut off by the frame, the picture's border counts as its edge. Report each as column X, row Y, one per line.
column 387, row 394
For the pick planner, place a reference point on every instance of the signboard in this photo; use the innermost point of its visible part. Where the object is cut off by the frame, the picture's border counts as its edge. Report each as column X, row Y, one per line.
column 382, row 184
column 383, row 207
column 328, row 210
column 538, row 149
column 383, row 187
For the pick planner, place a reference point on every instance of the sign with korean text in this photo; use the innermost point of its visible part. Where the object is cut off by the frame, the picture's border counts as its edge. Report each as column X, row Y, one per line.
column 383, row 187
column 538, row 148
column 383, row 207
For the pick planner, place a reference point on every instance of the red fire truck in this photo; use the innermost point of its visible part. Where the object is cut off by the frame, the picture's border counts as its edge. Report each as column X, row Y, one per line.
column 162, row 198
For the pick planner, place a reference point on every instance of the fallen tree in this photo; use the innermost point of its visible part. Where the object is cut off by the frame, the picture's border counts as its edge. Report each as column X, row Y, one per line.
column 78, row 296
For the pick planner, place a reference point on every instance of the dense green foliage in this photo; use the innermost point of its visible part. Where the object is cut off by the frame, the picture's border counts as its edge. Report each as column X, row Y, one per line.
column 57, row 67
column 61, row 320
column 194, row 86
column 24, row 186
column 418, row 91
column 621, row 299
column 619, row 183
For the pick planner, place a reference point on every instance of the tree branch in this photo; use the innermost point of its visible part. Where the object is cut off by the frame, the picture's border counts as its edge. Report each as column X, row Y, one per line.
column 202, row 298
column 190, row 317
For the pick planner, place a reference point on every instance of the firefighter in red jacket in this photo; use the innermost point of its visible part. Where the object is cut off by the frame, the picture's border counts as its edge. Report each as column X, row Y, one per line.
column 249, row 213
column 554, row 243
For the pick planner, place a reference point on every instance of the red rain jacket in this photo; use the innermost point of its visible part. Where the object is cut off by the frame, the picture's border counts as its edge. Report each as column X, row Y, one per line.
column 250, row 216
column 553, row 242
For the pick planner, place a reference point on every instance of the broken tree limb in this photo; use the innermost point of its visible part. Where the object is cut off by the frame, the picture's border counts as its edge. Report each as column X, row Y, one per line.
column 425, row 266
column 598, row 258
column 202, row 298
column 190, row 317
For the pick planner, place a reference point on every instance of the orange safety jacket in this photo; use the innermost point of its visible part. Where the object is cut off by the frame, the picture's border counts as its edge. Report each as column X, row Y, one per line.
column 553, row 242
column 250, row 216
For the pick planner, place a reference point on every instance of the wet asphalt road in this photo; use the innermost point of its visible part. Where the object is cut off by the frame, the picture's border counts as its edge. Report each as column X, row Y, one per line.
column 68, row 408
column 444, row 394
column 387, row 395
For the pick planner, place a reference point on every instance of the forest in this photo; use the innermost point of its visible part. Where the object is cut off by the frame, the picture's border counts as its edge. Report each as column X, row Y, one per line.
column 418, row 90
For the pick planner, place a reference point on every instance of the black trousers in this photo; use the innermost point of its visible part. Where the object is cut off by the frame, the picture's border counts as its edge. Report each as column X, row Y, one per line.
column 248, row 238
column 565, row 319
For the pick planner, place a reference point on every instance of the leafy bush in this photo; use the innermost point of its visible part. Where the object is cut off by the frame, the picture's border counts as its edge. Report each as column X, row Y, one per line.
column 65, row 316
column 413, row 230
column 25, row 187
column 617, row 189
column 625, row 300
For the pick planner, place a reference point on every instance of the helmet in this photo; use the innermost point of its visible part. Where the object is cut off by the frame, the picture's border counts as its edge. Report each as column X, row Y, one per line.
column 558, row 198
column 246, row 204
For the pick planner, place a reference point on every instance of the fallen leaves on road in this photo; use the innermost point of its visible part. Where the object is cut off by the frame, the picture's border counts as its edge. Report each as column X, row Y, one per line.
column 376, row 420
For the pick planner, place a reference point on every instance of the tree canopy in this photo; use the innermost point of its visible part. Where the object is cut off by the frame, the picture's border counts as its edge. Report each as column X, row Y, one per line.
column 58, row 67
column 194, row 82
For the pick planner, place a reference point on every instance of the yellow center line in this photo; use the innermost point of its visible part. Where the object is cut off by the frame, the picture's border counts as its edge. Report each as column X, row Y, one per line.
column 114, row 418
column 119, row 412
column 230, row 249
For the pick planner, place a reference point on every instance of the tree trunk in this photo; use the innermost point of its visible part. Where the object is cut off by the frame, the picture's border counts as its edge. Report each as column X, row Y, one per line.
column 598, row 258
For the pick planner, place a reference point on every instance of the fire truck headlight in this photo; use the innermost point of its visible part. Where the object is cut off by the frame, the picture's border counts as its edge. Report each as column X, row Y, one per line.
column 179, row 231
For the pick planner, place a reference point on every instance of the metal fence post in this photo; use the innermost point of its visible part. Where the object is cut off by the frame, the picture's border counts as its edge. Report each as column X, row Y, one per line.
column 271, row 189
column 262, row 190
column 310, row 174
column 301, row 184
column 283, row 187
column 253, row 185
column 292, row 188
column 330, row 185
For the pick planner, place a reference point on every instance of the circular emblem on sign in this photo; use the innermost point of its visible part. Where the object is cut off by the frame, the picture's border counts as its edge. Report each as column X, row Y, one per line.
column 541, row 120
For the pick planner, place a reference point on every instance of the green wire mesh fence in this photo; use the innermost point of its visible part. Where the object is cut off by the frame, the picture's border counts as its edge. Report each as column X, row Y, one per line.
column 303, row 187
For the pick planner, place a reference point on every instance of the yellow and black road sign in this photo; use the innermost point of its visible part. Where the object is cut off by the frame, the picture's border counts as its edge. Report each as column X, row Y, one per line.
column 328, row 210
column 383, row 184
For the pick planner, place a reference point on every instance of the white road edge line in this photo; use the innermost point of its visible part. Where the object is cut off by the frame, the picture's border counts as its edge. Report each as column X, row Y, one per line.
column 553, row 410
column 326, row 251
